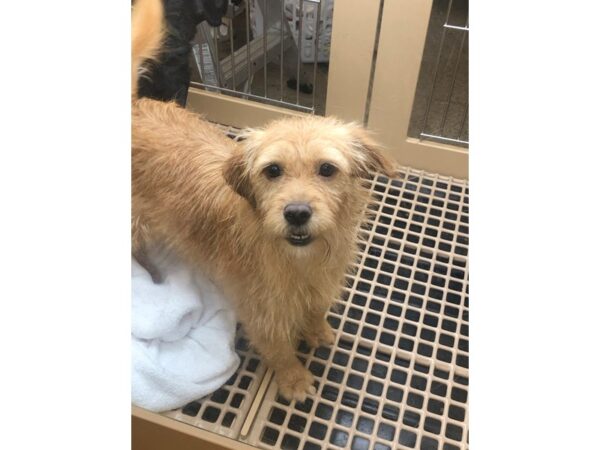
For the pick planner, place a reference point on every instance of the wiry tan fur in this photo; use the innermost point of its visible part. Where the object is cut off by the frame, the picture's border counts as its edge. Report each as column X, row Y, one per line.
column 208, row 198
column 146, row 35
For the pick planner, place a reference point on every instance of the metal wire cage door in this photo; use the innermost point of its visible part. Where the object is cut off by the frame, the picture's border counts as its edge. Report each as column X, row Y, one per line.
column 268, row 51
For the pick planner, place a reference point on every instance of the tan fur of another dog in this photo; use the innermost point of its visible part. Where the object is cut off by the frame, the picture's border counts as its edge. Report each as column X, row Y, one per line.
column 147, row 32
column 207, row 197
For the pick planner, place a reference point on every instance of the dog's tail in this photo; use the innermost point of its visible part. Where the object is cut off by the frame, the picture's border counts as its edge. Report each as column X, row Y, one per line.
column 146, row 36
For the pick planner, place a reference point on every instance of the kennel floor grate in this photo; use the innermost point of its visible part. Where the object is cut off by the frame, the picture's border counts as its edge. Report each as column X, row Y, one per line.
column 397, row 375
column 225, row 410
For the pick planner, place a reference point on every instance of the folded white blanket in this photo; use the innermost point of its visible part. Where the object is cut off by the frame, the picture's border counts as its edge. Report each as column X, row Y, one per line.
column 182, row 335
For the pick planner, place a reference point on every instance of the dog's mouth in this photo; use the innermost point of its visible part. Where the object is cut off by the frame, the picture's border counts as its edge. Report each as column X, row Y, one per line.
column 299, row 239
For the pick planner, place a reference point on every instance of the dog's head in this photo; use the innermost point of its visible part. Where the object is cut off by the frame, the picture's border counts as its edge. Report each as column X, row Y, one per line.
column 303, row 177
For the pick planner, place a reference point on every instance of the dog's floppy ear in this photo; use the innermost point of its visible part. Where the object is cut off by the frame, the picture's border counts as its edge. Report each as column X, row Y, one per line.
column 368, row 154
column 235, row 172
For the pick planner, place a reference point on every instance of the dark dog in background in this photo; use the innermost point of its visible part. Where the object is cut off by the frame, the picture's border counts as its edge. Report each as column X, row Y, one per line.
column 169, row 77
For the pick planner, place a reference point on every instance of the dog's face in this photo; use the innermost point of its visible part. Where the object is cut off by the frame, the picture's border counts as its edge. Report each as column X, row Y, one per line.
column 303, row 177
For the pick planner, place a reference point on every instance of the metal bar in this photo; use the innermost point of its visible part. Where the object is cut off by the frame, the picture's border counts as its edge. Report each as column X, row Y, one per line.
column 445, row 115
column 441, row 138
column 462, row 124
column 234, row 85
column 254, row 97
column 248, row 83
column 281, row 52
column 437, row 66
column 373, row 65
column 316, row 38
column 265, row 45
column 256, row 55
column 300, row 14
column 207, row 54
column 217, row 59
column 454, row 27
column 198, row 59
column 464, row 119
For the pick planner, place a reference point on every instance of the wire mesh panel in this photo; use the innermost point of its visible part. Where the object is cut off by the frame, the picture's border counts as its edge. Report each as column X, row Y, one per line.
column 440, row 110
column 397, row 376
column 268, row 51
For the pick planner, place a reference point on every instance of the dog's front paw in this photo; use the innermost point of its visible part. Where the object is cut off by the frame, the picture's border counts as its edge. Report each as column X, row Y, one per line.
column 295, row 383
column 320, row 335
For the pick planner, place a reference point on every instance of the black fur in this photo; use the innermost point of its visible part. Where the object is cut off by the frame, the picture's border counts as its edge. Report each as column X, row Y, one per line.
column 169, row 78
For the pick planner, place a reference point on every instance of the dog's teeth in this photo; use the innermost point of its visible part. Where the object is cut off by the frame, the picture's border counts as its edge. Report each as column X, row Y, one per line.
column 299, row 236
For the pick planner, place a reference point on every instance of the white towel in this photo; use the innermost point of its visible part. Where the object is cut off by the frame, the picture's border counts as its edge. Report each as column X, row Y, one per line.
column 182, row 335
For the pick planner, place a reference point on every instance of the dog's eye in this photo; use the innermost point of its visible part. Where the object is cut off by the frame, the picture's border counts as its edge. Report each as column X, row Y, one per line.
column 273, row 171
column 326, row 170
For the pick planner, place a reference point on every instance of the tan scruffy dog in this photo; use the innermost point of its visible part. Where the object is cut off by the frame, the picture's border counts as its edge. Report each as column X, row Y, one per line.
column 272, row 219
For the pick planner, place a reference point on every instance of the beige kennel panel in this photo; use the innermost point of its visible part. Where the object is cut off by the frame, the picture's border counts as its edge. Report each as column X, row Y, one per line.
column 397, row 375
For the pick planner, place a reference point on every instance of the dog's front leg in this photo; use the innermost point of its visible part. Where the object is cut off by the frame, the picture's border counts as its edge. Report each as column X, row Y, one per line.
column 278, row 351
column 317, row 330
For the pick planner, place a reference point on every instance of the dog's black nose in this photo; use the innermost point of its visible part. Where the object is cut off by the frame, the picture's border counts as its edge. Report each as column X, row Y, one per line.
column 297, row 213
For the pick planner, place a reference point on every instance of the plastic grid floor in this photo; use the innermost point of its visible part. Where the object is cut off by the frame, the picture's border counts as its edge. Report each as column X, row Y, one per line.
column 397, row 375
column 225, row 410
